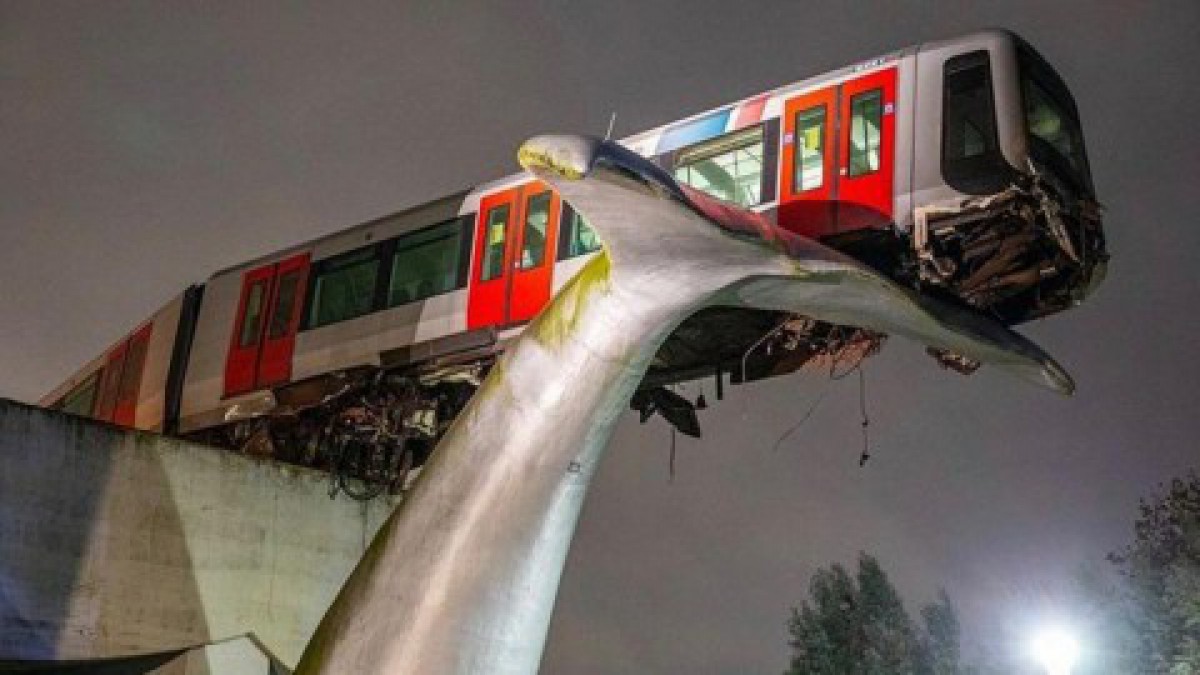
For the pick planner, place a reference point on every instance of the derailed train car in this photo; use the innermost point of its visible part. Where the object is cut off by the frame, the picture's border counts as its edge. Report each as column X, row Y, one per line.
column 957, row 168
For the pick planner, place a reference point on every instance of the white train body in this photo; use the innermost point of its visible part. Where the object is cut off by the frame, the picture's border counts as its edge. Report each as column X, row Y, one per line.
column 926, row 163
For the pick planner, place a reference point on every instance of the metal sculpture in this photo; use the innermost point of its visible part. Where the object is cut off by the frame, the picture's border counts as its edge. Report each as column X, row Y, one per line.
column 463, row 576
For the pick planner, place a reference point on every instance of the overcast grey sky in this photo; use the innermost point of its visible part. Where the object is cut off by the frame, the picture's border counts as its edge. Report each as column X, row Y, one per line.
column 145, row 145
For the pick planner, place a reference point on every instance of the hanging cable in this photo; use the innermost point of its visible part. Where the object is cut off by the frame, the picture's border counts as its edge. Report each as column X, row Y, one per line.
column 804, row 418
column 866, row 421
column 671, row 464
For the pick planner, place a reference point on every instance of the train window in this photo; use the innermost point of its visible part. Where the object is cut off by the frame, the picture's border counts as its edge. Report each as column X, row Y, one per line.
column 1052, row 122
column 533, row 233
column 577, row 238
column 252, row 317
column 968, row 116
column 285, row 304
column 728, row 167
column 809, row 172
column 1047, row 121
column 866, row 119
column 425, row 263
column 79, row 400
column 344, row 287
column 971, row 160
column 493, row 243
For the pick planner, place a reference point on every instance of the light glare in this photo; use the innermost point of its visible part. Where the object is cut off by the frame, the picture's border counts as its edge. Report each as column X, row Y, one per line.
column 1056, row 650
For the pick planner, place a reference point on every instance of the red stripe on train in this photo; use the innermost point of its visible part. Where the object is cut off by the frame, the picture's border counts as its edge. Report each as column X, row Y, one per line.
column 751, row 112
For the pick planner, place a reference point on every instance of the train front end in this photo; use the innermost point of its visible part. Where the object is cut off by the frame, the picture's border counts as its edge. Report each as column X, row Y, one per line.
column 1006, row 220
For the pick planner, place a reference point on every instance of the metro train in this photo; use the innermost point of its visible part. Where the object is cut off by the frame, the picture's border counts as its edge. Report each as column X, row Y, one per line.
column 956, row 168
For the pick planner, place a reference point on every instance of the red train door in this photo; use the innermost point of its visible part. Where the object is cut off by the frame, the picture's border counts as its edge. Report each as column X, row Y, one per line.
column 807, row 176
column 121, row 379
column 283, row 321
column 867, row 151
column 241, row 366
column 533, row 262
column 130, row 382
column 264, row 331
column 110, row 382
column 514, row 244
column 487, row 299
column 838, row 159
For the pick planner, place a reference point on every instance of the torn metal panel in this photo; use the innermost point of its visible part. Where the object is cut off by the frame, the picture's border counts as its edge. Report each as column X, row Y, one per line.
column 1018, row 254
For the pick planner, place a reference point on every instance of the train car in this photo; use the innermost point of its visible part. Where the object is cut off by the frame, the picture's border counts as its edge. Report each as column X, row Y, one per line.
column 957, row 168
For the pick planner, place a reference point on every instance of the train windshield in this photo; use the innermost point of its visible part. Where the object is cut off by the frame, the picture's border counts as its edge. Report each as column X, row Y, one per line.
column 1052, row 122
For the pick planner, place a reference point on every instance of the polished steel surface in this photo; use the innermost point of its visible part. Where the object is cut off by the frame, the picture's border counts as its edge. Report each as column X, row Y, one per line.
column 462, row 578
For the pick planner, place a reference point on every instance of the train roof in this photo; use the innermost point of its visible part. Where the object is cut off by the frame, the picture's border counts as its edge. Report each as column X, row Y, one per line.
column 432, row 204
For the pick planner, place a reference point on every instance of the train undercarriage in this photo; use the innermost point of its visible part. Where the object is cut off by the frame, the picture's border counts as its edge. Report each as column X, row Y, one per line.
column 372, row 428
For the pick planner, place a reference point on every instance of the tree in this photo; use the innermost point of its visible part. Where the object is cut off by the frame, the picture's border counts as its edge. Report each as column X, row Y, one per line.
column 1156, row 608
column 941, row 624
column 858, row 626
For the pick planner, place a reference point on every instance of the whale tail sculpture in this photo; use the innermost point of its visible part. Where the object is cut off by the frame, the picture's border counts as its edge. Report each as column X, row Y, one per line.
column 462, row 578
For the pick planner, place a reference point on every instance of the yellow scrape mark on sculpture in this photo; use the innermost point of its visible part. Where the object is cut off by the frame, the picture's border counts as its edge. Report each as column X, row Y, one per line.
column 494, row 385
column 536, row 158
column 561, row 317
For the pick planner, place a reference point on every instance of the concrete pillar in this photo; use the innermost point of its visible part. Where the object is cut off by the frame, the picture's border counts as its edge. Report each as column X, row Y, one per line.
column 115, row 542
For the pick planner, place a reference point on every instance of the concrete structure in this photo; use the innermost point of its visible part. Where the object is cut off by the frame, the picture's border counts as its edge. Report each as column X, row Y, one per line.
column 115, row 542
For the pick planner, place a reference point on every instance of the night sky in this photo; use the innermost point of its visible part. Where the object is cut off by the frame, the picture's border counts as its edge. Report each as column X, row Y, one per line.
column 145, row 145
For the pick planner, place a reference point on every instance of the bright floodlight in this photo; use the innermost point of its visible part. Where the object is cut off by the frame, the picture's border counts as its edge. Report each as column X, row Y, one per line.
column 1056, row 650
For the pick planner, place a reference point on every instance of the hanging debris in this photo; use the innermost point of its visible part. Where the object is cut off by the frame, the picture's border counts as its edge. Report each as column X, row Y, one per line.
column 675, row 409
